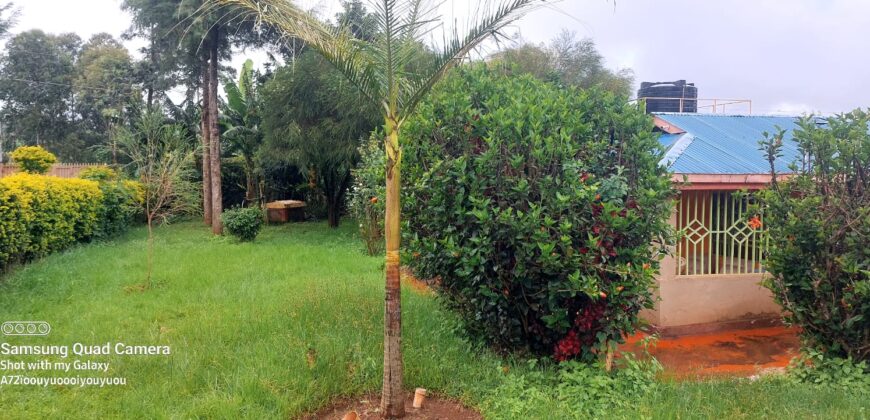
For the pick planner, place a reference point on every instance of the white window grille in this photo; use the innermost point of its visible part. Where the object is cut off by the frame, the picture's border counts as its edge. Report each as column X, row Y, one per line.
column 718, row 235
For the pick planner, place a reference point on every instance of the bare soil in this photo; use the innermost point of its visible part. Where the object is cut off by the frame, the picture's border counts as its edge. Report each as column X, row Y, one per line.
column 744, row 353
column 368, row 408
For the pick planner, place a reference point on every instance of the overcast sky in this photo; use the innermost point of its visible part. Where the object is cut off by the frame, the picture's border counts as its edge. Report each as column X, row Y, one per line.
column 787, row 56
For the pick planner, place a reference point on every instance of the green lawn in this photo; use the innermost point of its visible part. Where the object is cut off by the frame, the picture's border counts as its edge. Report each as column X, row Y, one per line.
column 242, row 320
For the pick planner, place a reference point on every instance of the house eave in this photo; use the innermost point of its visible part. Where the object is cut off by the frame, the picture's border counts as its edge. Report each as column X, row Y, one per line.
column 721, row 181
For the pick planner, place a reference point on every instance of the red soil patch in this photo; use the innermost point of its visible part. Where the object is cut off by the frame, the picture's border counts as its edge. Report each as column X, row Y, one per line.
column 417, row 285
column 368, row 408
column 734, row 352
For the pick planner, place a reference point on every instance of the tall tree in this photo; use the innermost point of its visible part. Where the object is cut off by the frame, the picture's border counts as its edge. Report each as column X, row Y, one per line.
column 105, row 90
column 8, row 18
column 379, row 68
column 202, row 40
column 159, row 69
column 179, row 52
column 36, row 76
column 567, row 61
column 316, row 121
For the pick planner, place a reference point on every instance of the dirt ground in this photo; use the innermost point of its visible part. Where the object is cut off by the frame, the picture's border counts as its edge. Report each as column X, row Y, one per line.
column 368, row 408
column 734, row 352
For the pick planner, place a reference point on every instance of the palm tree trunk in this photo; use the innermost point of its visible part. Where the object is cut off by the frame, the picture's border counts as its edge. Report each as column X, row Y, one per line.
column 392, row 397
column 215, row 137
column 206, row 139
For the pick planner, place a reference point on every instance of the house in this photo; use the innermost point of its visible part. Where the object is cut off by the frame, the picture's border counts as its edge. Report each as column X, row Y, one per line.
column 712, row 279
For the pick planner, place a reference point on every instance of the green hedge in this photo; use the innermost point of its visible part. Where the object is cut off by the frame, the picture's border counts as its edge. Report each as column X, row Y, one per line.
column 818, row 223
column 41, row 214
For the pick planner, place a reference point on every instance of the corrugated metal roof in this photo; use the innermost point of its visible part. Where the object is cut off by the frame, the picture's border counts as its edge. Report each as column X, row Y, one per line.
column 726, row 144
column 667, row 140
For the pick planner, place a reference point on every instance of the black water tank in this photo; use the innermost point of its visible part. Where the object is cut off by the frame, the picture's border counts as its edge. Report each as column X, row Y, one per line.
column 680, row 96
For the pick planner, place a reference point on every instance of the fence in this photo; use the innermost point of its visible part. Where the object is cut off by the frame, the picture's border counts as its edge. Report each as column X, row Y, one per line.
column 62, row 170
column 719, row 236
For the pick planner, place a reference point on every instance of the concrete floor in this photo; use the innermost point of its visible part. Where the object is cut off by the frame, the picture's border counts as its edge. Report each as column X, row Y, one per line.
column 732, row 353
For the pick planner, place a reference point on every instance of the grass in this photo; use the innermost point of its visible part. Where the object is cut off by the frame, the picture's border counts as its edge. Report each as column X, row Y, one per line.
column 281, row 326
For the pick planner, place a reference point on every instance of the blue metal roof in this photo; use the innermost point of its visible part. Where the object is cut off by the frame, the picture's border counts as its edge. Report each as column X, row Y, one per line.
column 725, row 144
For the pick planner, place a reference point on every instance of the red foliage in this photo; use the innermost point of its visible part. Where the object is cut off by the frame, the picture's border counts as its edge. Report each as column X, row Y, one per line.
column 586, row 324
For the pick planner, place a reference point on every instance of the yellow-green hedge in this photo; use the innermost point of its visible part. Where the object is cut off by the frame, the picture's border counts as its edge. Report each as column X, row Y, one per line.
column 41, row 214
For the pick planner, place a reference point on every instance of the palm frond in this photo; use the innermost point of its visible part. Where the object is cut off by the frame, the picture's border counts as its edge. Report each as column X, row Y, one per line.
column 378, row 67
column 338, row 46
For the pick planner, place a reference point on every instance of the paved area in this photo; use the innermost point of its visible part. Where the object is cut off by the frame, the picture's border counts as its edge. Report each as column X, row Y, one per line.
column 734, row 352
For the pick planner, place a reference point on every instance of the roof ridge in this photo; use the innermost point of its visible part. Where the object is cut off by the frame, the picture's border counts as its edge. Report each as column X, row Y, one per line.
column 677, row 149
column 696, row 114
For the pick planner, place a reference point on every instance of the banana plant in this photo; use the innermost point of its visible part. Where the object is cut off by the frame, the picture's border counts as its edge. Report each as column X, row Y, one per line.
column 241, row 121
column 382, row 69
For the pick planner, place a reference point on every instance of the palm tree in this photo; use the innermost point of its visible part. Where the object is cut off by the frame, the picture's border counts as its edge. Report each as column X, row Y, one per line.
column 380, row 69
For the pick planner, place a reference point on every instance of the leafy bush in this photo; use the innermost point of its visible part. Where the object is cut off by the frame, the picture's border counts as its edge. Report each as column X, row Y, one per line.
column 366, row 202
column 99, row 173
column 833, row 372
column 578, row 388
column 819, row 224
column 122, row 200
column 33, row 159
column 535, row 207
column 243, row 223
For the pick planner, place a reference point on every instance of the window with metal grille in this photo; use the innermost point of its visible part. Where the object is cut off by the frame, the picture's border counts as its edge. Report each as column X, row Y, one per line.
column 718, row 235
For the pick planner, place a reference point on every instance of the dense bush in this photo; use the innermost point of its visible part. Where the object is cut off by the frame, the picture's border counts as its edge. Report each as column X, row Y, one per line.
column 536, row 207
column 98, row 173
column 41, row 214
column 819, row 230
column 366, row 196
column 44, row 214
column 33, row 159
column 243, row 223
column 121, row 202
column 845, row 374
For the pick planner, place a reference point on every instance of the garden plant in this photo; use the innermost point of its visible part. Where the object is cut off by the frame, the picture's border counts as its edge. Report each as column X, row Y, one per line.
column 818, row 221
column 535, row 208
column 161, row 159
column 244, row 223
column 33, row 159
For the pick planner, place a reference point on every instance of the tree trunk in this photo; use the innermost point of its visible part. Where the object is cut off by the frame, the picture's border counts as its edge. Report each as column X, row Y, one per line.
column 215, row 137
column 206, row 139
column 153, row 54
column 332, row 212
column 250, row 184
column 392, row 396
column 150, row 250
